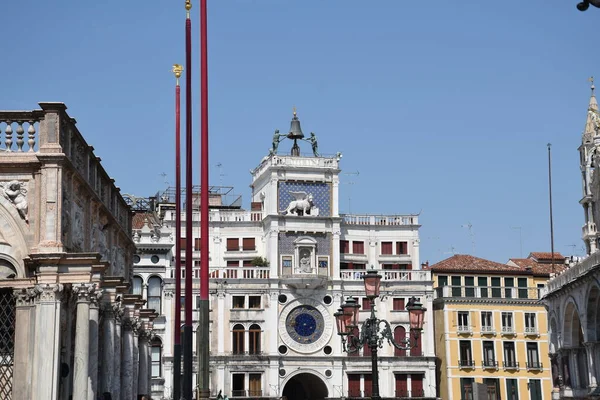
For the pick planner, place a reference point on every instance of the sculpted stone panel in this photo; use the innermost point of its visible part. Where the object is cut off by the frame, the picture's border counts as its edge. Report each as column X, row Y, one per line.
column 16, row 193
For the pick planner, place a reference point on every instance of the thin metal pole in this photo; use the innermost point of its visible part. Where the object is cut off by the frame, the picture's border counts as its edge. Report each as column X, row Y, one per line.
column 372, row 343
column 202, row 342
column 177, row 69
column 187, row 331
column 550, row 197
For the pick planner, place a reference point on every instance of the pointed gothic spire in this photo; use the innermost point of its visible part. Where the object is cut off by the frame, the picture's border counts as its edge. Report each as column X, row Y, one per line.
column 592, row 122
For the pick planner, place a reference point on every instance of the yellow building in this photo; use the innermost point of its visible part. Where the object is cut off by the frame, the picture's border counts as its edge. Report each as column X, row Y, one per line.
column 491, row 329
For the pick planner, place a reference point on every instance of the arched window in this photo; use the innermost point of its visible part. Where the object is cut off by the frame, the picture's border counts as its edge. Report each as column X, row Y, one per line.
column 415, row 340
column 156, row 351
column 254, row 346
column 136, row 286
column 154, row 293
column 237, row 343
column 399, row 337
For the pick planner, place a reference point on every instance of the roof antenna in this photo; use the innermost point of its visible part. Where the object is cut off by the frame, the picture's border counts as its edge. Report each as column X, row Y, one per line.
column 469, row 226
column 350, row 183
column 164, row 175
column 221, row 174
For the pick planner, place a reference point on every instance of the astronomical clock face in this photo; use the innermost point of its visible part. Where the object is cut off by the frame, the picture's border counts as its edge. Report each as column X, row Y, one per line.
column 305, row 326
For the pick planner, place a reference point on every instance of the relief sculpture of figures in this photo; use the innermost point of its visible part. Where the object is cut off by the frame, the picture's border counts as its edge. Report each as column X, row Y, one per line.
column 14, row 192
column 276, row 139
column 301, row 205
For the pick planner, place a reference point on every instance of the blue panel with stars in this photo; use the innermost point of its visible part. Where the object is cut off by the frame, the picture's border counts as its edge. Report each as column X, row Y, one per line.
column 321, row 193
column 305, row 324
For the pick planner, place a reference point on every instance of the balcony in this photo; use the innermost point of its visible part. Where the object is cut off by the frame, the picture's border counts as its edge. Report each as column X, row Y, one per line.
column 390, row 220
column 531, row 331
column 487, row 330
column 487, row 292
column 508, row 331
column 388, row 275
column 534, row 366
column 247, row 393
column 490, row 364
column 464, row 330
column 410, row 394
column 240, row 273
column 466, row 364
column 510, row 365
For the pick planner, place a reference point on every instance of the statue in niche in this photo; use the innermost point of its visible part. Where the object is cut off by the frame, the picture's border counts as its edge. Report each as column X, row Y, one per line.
column 304, row 266
column 15, row 192
column 301, row 205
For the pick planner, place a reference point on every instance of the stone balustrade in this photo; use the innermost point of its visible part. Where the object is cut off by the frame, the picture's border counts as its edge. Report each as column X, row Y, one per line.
column 14, row 137
column 573, row 272
column 331, row 162
column 352, row 219
column 389, row 275
column 240, row 273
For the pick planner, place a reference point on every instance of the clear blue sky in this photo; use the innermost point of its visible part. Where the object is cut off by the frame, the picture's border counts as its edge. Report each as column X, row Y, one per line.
column 444, row 107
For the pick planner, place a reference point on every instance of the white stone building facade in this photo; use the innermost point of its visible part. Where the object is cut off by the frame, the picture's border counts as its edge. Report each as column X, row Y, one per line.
column 272, row 328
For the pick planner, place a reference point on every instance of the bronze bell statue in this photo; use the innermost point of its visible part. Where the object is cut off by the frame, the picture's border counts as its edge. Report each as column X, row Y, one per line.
column 295, row 133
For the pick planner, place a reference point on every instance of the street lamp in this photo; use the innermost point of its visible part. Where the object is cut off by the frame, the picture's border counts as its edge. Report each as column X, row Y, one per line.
column 371, row 333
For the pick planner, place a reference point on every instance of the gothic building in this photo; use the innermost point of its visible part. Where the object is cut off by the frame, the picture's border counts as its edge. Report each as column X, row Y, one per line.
column 573, row 298
column 279, row 272
column 68, row 327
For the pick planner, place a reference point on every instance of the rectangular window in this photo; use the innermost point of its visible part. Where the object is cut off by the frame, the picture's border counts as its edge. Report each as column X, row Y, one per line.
column 466, row 388
column 354, row 385
column 233, row 244
column 155, row 357
column 533, row 360
column 254, row 340
column 197, row 244
column 482, row 282
column 238, row 301
column 398, row 304
column 507, row 322
column 489, row 356
column 509, row 284
column 255, row 388
column 323, row 262
column 530, row 324
column 286, row 261
column 401, row 248
column 368, row 385
column 463, row 321
column 496, row 290
column 238, row 385
column 247, row 263
column 522, row 282
column 466, row 358
column 416, row 385
column 366, row 304
column 469, row 286
column 510, row 358
column 512, row 389
column 535, row 389
column 401, row 385
column 386, row 248
column 456, row 288
column 358, row 247
column 248, row 244
column 493, row 388
column 442, row 280
column 233, row 263
column 344, row 246
column 253, row 301
column 487, row 322
column 182, row 243
column 182, row 302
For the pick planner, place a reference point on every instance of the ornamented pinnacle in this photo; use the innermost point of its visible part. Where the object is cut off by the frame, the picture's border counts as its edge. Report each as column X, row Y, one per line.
column 188, row 7
column 177, row 70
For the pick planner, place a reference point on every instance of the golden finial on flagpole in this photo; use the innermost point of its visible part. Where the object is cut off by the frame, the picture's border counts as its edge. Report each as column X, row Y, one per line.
column 188, row 7
column 177, row 70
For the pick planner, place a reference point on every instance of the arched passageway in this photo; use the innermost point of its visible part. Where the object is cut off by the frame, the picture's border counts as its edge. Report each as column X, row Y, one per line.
column 305, row 386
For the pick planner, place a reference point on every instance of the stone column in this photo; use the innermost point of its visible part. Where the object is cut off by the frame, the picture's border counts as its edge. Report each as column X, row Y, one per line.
column 118, row 354
column 46, row 364
column 136, row 358
column 143, row 365
column 108, row 354
column 24, row 343
column 590, row 350
column 221, row 320
column 81, row 366
column 127, row 361
column 93, row 391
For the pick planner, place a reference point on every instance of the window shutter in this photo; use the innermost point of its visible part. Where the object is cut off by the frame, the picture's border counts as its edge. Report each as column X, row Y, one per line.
column 358, row 247
column 344, row 247
column 233, row 244
column 398, row 304
column 416, row 385
column 248, row 244
column 182, row 243
column 197, row 244
column 386, row 248
column 401, row 385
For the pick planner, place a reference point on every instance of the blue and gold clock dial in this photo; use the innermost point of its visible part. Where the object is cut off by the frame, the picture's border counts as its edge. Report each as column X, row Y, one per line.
column 305, row 324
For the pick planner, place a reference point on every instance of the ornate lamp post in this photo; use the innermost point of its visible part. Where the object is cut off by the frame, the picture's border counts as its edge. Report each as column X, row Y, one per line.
column 374, row 330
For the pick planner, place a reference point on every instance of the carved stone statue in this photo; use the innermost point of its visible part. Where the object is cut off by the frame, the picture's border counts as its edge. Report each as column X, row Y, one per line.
column 313, row 141
column 276, row 139
column 14, row 192
column 301, row 205
column 304, row 266
column 595, row 119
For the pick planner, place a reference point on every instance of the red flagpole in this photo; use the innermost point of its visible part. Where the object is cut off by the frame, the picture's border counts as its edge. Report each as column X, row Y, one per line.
column 187, row 331
column 203, row 343
column 177, row 69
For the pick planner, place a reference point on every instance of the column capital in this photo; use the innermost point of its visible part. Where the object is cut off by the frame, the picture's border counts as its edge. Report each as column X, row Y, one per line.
column 24, row 296
column 47, row 292
column 84, row 292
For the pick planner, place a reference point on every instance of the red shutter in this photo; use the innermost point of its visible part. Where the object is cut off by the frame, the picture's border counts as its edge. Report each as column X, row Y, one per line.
column 344, row 246
column 248, row 244
column 416, row 351
column 401, row 385
column 409, row 267
column 354, row 385
column 366, row 351
column 247, row 263
column 182, row 243
column 368, row 385
column 366, row 304
column 386, row 248
column 233, row 244
column 398, row 304
column 401, row 248
column 197, row 244
column 395, row 266
column 399, row 336
column 416, row 385
column 358, row 247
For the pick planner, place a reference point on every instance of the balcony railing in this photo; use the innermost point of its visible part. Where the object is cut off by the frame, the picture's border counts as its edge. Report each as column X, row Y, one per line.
column 409, row 394
column 508, row 330
column 464, row 329
column 510, row 365
column 490, row 364
column 531, row 331
column 534, row 365
column 573, row 272
column 352, row 219
column 388, row 275
column 487, row 330
column 487, row 292
column 463, row 364
column 240, row 273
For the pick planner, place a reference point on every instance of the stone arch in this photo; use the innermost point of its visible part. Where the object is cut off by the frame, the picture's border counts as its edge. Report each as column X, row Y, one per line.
column 304, row 385
column 572, row 330
column 13, row 246
column 592, row 329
